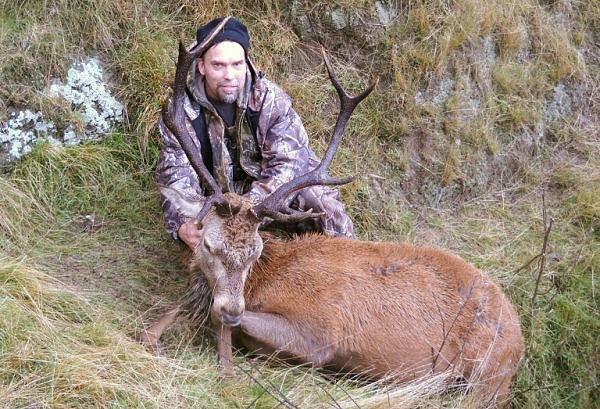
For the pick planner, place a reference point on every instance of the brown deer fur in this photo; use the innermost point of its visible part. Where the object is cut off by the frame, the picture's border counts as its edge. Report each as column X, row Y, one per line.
column 381, row 309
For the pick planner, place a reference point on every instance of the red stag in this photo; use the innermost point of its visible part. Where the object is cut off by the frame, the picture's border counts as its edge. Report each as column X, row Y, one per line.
column 382, row 309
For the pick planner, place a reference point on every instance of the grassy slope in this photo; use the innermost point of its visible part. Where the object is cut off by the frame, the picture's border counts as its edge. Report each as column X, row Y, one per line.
column 70, row 342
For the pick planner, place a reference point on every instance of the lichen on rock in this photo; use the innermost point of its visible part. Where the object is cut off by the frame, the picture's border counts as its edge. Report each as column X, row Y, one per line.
column 22, row 130
column 87, row 94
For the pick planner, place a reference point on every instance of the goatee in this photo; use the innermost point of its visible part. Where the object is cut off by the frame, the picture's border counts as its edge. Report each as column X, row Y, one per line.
column 229, row 98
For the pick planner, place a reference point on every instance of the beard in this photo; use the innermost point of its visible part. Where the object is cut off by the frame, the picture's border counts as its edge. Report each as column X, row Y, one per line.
column 228, row 96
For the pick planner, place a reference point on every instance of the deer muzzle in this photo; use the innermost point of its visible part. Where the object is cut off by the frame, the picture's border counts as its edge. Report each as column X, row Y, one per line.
column 231, row 320
column 228, row 309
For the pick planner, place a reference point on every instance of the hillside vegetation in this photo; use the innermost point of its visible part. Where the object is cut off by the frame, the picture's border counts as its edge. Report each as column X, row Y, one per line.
column 482, row 137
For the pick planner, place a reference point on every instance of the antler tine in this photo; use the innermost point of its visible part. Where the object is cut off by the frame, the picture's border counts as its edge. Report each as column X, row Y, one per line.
column 174, row 117
column 272, row 206
column 347, row 105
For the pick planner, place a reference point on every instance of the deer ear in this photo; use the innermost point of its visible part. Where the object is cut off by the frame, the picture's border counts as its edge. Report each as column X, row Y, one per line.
column 185, row 205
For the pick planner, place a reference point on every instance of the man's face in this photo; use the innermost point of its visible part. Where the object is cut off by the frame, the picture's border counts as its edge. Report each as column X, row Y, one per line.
column 224, row 70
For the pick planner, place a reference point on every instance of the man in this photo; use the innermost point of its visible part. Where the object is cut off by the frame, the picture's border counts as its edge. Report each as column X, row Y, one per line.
column 249, row 136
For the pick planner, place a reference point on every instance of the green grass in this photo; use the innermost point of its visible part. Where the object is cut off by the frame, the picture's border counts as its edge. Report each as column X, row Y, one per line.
column 84, row 261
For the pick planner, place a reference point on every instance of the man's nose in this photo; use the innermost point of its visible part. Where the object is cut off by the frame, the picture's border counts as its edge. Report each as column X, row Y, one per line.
column 229, row 73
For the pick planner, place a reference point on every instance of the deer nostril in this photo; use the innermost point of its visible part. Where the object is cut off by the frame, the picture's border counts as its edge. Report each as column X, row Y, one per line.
column 231, row 320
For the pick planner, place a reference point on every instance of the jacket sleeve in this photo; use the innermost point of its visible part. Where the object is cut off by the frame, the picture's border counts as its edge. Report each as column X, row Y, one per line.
column 285, row 149
column 174, row 170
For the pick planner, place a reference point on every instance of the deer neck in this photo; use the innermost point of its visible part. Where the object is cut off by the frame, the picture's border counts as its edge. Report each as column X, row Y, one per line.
column 264, row 271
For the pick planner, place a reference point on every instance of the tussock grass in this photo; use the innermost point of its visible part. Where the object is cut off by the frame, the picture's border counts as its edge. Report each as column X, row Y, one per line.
column 451, row 150
column 59, row 351
column 16, row 211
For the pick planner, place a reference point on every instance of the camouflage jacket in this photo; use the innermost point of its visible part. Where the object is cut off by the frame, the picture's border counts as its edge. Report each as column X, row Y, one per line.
column 280, row 140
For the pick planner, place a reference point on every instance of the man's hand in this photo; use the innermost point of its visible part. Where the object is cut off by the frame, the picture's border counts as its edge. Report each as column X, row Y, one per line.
column 189, row 233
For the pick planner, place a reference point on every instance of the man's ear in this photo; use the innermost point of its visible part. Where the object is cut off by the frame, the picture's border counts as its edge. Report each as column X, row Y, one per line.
column 200, row 65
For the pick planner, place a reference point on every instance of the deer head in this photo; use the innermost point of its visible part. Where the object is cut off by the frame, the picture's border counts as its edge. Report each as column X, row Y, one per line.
column 230, row 242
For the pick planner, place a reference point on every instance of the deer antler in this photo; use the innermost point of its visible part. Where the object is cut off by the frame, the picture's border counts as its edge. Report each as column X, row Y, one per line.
column 274, row 205
column 174, row 118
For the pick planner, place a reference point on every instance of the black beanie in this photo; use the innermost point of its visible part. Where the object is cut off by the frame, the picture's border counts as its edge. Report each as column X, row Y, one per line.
column 233, row 30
